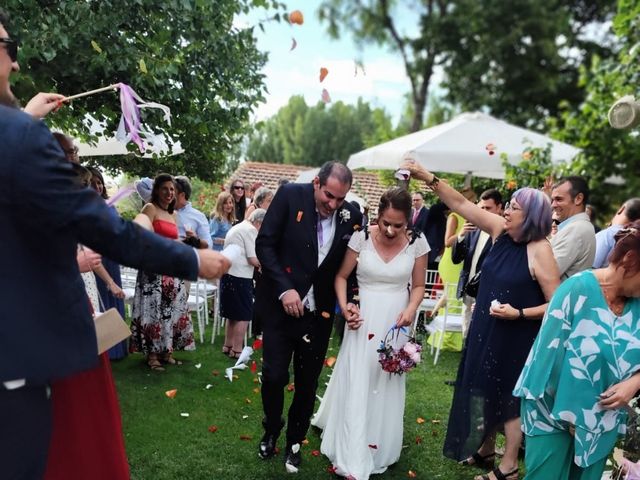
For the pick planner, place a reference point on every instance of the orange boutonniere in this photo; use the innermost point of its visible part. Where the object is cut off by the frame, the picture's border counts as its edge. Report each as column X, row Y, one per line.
column 299, row 216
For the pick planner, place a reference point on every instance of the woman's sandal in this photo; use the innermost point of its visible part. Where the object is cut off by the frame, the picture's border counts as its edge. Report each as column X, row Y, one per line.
column 486, row 462
column 171, row 361
column 155, row 365
column 226, row 349
column 497, row 473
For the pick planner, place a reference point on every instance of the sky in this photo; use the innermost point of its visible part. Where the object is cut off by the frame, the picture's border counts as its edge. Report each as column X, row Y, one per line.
column 296, row 72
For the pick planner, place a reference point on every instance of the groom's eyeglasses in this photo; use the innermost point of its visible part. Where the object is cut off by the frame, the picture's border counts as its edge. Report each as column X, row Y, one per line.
column 11, row 47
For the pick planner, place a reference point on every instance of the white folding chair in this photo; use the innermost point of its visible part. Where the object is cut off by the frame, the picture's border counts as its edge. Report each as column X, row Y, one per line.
column 432, row 292
column 449, row 321
column 128, row 278
column 197, row 302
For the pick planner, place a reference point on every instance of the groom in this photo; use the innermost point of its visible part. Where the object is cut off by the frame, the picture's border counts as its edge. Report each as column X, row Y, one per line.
column 300, row 247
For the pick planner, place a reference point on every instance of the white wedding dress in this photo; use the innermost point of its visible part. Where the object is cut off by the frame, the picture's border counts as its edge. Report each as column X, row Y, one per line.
column 362, row 411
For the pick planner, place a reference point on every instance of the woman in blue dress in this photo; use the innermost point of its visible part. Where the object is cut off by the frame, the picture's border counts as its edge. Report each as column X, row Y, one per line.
column 519, row 276
column 222, row 218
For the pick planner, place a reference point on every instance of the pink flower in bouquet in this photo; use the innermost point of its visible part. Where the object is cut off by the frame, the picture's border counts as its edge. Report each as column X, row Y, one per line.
column 410, row 348
column 416, row 357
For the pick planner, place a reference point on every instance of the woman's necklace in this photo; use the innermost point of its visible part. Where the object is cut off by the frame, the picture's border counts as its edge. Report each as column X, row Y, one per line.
column 616, row 303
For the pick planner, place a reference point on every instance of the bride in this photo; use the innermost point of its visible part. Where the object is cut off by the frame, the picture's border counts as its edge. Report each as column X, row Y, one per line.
column 362, row 410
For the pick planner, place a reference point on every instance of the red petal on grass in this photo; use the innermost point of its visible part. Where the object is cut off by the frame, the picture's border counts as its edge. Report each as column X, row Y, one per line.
column 411, row 474
column 254, row 367
column 323, row 74
column 329, row 362
column 418, row 440
column 315, row 453
column 257, row 344
column 331, row 469
column 171, row 393
column 245, row 437
column 213, row 428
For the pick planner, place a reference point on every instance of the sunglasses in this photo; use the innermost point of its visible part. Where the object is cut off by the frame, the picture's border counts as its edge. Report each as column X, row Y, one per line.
column 238, row 187
column 12, row 48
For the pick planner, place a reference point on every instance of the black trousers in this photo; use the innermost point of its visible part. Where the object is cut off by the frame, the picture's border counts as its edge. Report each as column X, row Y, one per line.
column 25, row 432
column 305, row 340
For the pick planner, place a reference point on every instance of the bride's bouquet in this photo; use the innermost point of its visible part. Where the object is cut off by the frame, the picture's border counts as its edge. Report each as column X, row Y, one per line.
column 398, row 360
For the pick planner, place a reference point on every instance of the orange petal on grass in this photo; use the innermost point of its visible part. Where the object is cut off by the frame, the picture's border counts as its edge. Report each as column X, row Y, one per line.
column 326, row 98
column 291, row 387
column 215, row 373
column 245, row 437
column 323, row 73
column 305, row 442
column 329, row 362
column 419, row 420
column 294, row 44
column 296, row 17
column 411, row 474
column 213, row 429
column 171, row 393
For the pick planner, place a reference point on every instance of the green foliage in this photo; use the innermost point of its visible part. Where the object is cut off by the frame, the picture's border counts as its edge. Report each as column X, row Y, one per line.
column 606, row 151
column 302, row 135
column 185, row 54
column 517, row 59
column 532, row 171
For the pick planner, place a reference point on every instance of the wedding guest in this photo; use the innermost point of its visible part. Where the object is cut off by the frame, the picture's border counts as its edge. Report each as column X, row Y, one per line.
column 193, row 227
column 239, row 199
column 584, row 368
column 161, row 322
column 364, row 405
column 519, row 276
column 605, row 239
column 222, row 218
column 262, row 198
column 236, row 287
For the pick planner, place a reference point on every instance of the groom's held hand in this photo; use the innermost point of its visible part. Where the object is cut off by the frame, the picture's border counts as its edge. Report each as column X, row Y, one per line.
column 292, row 304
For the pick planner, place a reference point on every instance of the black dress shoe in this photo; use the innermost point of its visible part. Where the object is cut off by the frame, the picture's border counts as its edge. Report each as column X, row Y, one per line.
column 267, row 446
column 292, row 458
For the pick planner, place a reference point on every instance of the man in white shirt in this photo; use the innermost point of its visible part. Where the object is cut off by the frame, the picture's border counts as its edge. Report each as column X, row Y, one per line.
column 192, row 223
column 574, row 246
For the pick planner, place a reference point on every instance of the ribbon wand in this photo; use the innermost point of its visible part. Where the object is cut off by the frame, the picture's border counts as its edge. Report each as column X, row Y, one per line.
column 91, row 92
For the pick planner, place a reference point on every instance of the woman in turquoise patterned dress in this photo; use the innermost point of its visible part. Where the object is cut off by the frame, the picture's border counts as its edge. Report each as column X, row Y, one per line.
column 583, row 368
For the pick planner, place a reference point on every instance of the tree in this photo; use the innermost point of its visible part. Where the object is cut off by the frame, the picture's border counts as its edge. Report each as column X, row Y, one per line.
column 303, row 135
column 606, row 151
column 186, row 54
column 508, row 57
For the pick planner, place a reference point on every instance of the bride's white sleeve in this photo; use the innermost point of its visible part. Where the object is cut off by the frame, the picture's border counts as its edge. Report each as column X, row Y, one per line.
column 421, row 246
column 357, row 241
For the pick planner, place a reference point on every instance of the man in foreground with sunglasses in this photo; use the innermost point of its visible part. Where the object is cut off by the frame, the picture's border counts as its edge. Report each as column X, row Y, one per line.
column 46, row 329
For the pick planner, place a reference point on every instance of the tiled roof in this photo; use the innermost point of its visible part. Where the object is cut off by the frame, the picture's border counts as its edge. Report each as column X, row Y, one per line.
column 366, row 185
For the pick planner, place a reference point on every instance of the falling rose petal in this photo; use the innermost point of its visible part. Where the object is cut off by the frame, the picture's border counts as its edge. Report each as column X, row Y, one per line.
column 411, row 474
column 491, row 152
column 257, row 344
column 371, row 335
column 325, row 315
column 184, row 414
column 291, row 387
column 315, row 453
column 329, row 362
column 299, row 216
column 419, row 420
column 198, row 365
column 374, row 447
column 287, row 269
column 213, row 429
column 294, row 44
column 490, row 146
column 323, row 73
column 418, row 440
column 306, row 338
column 326, row 98
column 245, row 437
column 254, row 367
column 171, row 393
column 296, row 17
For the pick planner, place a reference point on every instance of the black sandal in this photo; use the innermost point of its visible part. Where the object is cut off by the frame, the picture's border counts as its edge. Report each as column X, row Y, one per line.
column 512, row 475
column 486, row 462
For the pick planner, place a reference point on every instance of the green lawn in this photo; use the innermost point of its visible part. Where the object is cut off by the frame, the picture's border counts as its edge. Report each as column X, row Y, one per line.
column 161, row 444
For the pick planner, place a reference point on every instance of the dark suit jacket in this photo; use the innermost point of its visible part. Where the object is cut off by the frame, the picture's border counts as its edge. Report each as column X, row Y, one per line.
column 46, row 330
column 464, row 250
column 287, row 247
column 421, row 222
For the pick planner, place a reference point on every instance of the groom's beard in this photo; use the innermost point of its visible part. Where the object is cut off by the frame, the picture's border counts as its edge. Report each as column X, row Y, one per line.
column 9, row 100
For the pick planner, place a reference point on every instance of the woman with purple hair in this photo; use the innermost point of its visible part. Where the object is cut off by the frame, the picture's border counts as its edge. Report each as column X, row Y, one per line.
column 519, row 276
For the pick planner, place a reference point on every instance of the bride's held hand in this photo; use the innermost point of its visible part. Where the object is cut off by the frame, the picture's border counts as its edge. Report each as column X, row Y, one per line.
column 406, row 318
column 352, row 315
